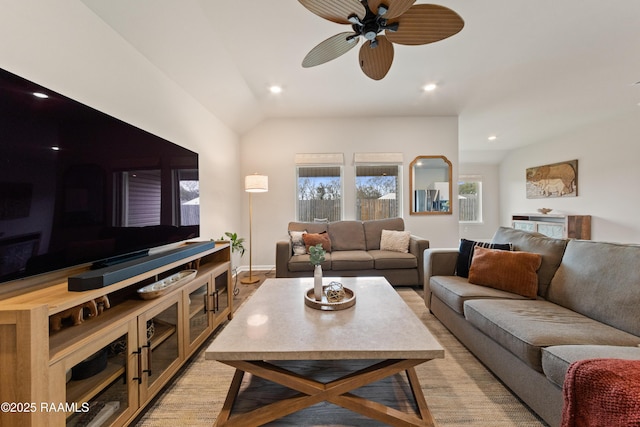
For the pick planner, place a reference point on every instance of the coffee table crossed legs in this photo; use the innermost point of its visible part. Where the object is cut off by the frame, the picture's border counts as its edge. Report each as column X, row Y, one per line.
column 336, row 392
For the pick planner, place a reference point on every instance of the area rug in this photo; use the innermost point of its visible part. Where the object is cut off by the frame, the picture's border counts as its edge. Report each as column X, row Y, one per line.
column 459, row 390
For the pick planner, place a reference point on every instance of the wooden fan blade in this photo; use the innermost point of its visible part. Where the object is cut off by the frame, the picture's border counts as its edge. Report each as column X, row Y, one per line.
column 329, row 49
column 335, row 10
column 425, row 23
column 396, row 7
column 376, row 61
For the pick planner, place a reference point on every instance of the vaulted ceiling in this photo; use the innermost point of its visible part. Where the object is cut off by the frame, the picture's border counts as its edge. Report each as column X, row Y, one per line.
column 524, row 71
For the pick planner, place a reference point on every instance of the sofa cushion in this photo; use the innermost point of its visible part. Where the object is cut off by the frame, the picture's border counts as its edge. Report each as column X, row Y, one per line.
column 383, row 260
column 557, row 359
column 312, row 239
column 551, row 250
column 455, row 290
column 396, row 241
column 601, row 281
column 465, row 254
column 524, row 326
column 303, row 263
column 347, row 236
column 373, row 230
column 297, row 242
column 508, row 271
column 351, row 260
column 310, row 227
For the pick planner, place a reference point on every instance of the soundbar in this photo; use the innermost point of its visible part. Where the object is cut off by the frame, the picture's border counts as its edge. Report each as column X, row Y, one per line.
column 96, row 279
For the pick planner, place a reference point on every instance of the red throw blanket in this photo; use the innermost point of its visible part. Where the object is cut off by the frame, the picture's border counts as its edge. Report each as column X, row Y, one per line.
column 602, row 392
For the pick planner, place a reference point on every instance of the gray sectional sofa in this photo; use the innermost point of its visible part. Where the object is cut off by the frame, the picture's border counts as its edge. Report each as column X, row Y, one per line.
column 355, row 251
column 587, row 306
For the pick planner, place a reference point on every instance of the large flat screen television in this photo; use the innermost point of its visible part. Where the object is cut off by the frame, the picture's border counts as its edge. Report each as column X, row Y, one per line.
column 78, row 186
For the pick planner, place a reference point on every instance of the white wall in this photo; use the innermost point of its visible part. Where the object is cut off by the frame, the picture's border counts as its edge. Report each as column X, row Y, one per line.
column 490, row 201
column 65, row 47
column 608, row 175
column 270, row 148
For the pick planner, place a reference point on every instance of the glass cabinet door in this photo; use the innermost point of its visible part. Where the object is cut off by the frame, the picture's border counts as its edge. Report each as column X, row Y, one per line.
column 199, row 305
column 99, row 387
column 524, row 225
column 159, row 341
column 221, row 294
column 551, row 230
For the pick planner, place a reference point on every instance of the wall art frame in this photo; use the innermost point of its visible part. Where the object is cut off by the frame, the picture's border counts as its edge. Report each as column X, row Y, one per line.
column 552, row 180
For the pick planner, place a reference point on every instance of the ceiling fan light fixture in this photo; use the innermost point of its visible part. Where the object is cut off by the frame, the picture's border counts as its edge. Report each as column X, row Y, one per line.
column 382, row 9
column 354, row 19
column 370, row 35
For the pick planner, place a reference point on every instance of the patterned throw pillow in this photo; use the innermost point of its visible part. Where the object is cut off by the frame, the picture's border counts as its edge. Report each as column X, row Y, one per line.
column 297, row 242
column 465, row 255
column 396, row 241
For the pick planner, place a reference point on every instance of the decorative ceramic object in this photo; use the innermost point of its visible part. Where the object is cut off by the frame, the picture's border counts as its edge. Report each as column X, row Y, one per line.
column 317, row 282
column 316, row 257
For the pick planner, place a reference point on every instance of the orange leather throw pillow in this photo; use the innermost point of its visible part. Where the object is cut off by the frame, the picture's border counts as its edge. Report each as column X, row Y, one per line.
column 312, row 239
column 508, row 271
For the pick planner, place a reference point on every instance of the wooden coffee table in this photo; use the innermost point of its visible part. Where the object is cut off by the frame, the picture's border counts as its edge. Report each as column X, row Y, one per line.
column 276, row 325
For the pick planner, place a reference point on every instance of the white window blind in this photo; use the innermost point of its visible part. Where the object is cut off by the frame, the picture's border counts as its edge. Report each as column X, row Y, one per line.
column 319, row 159
column 378, row 158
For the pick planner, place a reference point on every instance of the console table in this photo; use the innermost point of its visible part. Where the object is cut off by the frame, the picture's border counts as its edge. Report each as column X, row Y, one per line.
column 554, row 225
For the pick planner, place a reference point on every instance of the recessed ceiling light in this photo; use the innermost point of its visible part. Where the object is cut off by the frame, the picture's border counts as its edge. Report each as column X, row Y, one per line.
column 492, row 138
column 40, row 95
column 429, row 87
column 55, row 148
column 275, row 89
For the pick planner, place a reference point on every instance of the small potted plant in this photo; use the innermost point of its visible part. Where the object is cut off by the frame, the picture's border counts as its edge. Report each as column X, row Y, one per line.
column 317, row 257
column 237, row 246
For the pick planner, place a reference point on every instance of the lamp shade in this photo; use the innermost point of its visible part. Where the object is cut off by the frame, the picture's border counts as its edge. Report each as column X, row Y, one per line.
column 256, row 183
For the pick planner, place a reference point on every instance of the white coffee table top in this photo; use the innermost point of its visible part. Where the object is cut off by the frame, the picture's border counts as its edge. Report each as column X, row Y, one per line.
column 276, row 324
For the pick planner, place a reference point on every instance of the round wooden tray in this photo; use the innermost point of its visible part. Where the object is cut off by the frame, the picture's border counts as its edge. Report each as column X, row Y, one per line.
column 349, row 301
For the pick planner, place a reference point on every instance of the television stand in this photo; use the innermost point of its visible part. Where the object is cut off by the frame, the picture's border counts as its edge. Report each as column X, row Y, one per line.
column 139, row 344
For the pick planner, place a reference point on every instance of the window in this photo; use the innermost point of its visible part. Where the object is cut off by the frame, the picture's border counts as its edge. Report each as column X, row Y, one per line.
column 319, row 193
column 378, row 191
column 470, row 198
column 189, row 196
column 141, row 199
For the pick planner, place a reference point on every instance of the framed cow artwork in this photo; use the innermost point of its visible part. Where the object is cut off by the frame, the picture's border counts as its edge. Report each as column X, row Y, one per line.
column 554, row 180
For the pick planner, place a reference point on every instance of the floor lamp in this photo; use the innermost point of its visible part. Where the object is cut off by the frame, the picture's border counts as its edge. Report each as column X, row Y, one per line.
column 253, row 184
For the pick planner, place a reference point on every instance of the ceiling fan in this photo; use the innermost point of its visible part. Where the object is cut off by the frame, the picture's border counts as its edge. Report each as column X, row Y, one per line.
column 381, row 23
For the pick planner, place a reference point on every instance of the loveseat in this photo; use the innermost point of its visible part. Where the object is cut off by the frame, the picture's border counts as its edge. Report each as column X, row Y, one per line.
column 354, row 249
column 586, row 305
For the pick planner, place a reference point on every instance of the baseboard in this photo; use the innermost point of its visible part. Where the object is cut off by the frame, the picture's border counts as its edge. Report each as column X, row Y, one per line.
column 245, row 268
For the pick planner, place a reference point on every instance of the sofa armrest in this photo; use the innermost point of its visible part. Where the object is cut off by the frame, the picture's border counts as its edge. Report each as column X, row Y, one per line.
column 283, row 253
column 417, row 246
column 438, row 262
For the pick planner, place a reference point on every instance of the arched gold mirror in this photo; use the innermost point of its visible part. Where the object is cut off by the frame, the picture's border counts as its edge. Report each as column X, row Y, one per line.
column 430, row 185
